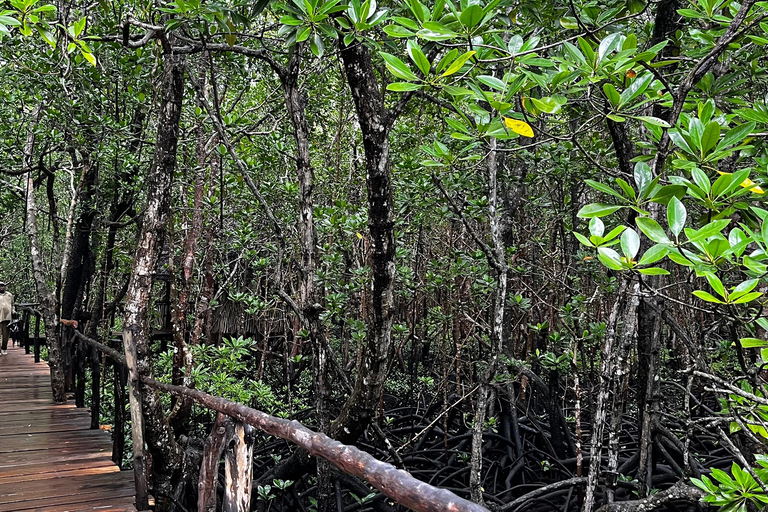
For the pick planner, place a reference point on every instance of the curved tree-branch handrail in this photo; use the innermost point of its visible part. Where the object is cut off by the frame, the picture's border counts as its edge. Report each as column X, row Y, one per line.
column 399, row 485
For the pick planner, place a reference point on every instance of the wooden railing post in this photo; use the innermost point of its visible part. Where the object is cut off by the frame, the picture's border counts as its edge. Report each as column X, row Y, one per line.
column 221, row 433
column 25, row 330
column 137, row 423
column 95, row 386
column 238, row 464
column 118, row 435
column 37, row 338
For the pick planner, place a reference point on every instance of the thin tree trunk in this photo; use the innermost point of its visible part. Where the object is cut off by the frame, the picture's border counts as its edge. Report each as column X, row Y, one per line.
column 375, row 124
column 497, row 334
column 48, row 303
column 167, row 456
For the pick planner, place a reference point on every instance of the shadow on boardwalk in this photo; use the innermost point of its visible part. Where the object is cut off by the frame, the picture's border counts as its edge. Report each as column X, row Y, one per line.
column 50, row 459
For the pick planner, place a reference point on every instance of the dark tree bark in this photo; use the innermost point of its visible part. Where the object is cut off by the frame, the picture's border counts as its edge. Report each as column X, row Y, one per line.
column 375, row 124
column 167, row 456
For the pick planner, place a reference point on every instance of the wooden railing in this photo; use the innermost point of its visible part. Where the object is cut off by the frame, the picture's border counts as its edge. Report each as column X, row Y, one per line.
column 28, row 312
column 230, row 437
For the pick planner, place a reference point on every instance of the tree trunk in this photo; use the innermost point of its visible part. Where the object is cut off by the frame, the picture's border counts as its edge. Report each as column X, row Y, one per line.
column 48, row 303
column 167, row 456
column 497, row 334
column 375, row 124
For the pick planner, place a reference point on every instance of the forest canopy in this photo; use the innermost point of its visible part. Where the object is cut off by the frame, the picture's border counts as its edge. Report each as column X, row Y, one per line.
column 516, row 248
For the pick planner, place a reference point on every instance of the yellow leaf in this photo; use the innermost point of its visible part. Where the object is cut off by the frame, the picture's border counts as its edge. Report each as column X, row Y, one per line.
column 747, row 183
column 359, row 236
column 519, row 127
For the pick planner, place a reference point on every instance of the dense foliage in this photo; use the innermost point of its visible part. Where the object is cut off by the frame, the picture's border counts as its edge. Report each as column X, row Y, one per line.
column 516, row 248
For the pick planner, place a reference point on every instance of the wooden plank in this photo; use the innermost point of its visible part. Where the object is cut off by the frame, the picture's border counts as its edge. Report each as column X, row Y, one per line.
column 50, row 459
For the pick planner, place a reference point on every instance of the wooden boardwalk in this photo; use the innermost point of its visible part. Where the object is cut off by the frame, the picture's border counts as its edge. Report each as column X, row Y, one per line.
column 50, row 460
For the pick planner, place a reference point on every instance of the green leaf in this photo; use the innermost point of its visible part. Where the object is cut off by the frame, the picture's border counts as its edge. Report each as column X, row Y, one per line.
column 710, row 137
column 676, row 215
column 680, row 141
column 398, row 31
column 654, row 121
column 597, row 210
column 471, row 16
column 290, row 21
column 653, row 271
column 596, row 226
column 614, row 233
column 636, row 88
column 458, row 63
column 716, row 285
column 584, row 240
column 655, row 253
column 604, row 188
column 88, row 56
column 643, row 176
column 434, row 31
column 303, row 33
column 652, row 230
column 749, row 297
column 406, row 22
column 492, row 82
column 753, row 343
column 398, row 67
column 80, row 26
column 630, row 243
column 711, row 229
column 612, row 94
column 418, row 57
column 608, row 44
column 403, row 87
column 735, row 136
column 609, row 258
column 707, row 297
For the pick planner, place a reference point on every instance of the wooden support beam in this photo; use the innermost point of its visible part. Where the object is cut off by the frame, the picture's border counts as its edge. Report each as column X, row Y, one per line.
column 238, row 464
column 222, row 431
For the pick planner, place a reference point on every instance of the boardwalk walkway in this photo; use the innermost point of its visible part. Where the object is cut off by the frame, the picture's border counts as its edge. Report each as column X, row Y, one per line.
column 50, row 460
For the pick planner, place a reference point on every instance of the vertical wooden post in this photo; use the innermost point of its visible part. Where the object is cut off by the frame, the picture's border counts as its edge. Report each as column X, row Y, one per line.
column 221, row 433
column 95, row 387
column 25, row 330
column 118, row 435
column 37, row 338
column 238, row 463
column 137, row 422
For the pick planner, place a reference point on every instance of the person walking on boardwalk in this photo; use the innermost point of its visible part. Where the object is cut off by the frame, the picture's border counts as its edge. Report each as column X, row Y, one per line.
column 6, row 313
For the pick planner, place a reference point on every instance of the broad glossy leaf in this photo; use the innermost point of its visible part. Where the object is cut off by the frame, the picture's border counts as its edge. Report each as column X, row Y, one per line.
column 609, row 258
column 711, row 229
column 707, row 297
column 471, row 16
column 652, row 230
column 418, row 57
column 630, row 243
column 716, row 285
column 710, row 137
column 653, row 271
column 458, row 63
column 491, row 81
column 643, row 175
column 597, row 210
column 397, row 67
column 753, row 343
column 676, row 216
column 519, row 127
column 655, row 253
column 403, row 86
column 636, row 88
